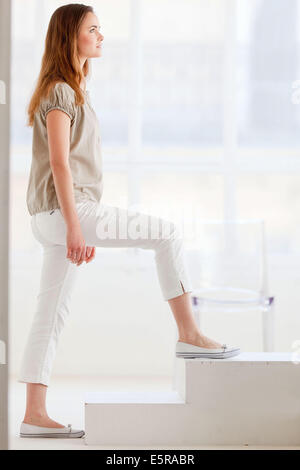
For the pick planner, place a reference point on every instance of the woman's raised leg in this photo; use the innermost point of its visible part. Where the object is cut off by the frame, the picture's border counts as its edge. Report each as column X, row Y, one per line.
column 112, row 226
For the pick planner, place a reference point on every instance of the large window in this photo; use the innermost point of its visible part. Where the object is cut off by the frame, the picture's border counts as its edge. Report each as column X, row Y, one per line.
column 194, row 100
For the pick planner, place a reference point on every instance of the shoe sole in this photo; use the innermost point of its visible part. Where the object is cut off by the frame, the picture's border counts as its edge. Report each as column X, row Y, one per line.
column 220, row 355
column 56, row 435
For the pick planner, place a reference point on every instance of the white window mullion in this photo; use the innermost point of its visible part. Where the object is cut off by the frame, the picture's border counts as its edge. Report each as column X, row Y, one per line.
column 135, row 104
column 230, row 109
column 40, row 14
column 135, row 108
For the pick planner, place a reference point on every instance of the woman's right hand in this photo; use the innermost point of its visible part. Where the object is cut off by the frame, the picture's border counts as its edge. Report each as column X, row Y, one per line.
column 77, row 251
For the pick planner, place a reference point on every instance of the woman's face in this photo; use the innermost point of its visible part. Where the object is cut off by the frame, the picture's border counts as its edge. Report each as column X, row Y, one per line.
column 89, row 38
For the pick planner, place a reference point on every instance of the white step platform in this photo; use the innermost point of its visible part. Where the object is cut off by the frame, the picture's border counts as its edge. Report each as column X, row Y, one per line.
column 252, row 398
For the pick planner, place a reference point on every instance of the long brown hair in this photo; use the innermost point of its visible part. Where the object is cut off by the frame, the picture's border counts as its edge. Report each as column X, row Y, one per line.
column 60, row 61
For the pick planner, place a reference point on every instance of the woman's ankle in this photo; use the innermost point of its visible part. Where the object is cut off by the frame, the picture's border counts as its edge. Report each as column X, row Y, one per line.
column 190, row 337
column 34, row 416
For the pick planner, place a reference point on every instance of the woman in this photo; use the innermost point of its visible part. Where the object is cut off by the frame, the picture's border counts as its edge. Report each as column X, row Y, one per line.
column 68, row 218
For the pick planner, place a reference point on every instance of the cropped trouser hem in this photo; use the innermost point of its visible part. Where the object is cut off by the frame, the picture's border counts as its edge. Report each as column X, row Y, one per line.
column 35, row 380
column 177, row 292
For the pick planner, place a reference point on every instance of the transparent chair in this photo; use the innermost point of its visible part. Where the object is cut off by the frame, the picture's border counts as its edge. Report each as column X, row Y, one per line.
column 227, row 262
column 228, row 265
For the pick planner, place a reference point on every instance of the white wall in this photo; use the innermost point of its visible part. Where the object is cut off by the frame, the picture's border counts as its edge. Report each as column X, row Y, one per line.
column 5, row 49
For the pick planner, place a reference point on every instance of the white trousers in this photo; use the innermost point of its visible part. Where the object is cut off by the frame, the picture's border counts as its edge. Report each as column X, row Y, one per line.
column 102, row 226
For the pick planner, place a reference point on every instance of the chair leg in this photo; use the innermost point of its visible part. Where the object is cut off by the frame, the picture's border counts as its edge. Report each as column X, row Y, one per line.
column 175, row 360
column 268, row 325
column 197, row 316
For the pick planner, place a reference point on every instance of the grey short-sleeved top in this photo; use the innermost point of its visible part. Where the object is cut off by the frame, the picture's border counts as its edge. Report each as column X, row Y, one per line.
column 85, row 156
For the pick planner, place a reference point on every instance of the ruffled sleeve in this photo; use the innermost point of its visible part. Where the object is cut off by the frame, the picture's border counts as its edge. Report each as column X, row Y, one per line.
column 60, row 97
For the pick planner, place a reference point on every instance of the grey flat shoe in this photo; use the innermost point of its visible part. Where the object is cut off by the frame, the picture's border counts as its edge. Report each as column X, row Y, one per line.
column 30, row 430
column 190, row 350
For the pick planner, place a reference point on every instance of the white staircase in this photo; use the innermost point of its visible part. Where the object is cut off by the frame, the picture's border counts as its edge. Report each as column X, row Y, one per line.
column 252, row 398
